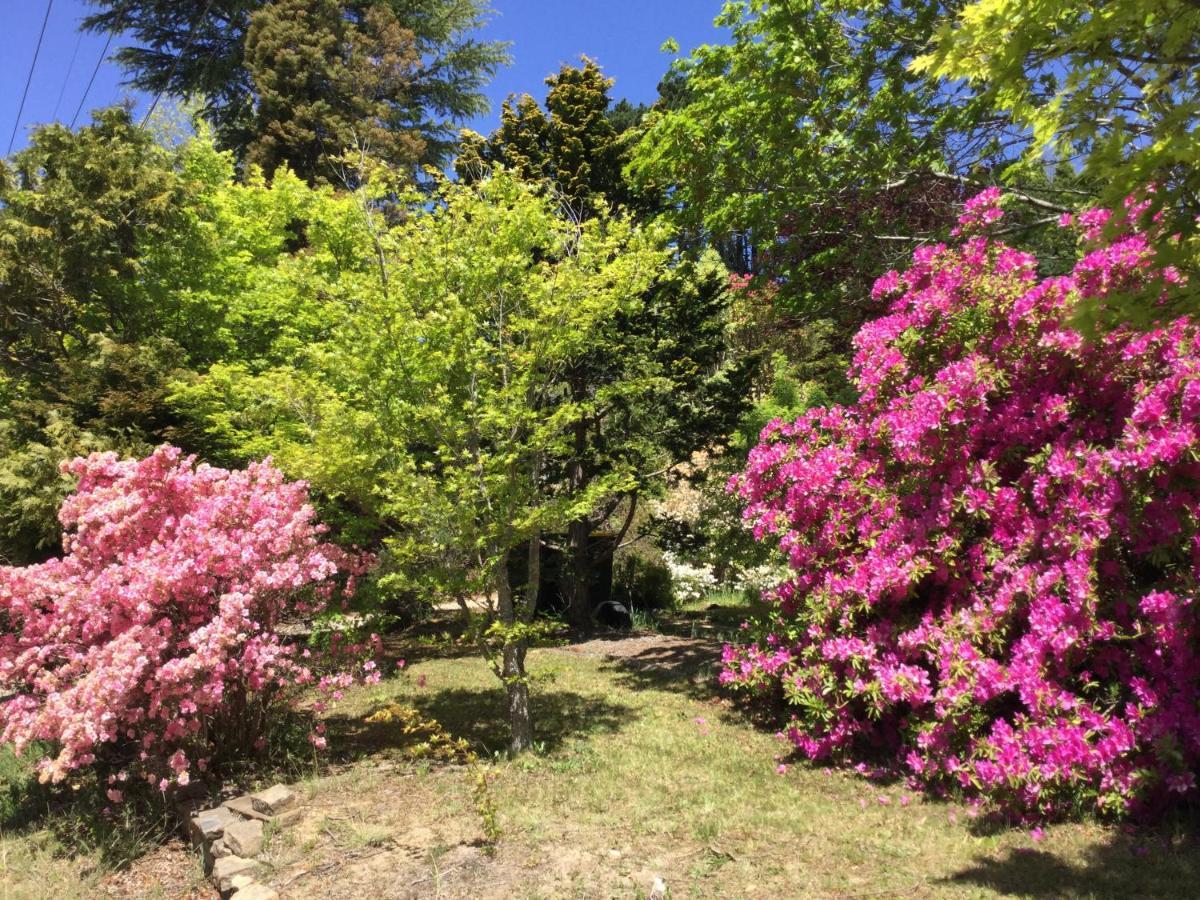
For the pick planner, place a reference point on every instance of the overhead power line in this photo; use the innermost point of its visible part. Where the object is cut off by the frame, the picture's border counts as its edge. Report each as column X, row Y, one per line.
column 87, row 90
column 66, row 78
column 29, row 78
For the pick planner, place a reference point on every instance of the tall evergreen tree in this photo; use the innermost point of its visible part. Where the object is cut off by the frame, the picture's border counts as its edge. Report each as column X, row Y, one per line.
column 198, row 49
column 74, row 206
column 85, row 359
column 579, row 144
column 583, row 141
column 327, row 81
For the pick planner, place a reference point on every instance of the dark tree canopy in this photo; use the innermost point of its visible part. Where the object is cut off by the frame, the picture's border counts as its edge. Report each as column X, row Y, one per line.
column 73, row 208
column 327, row 81
column 256, row 96
column 579, row 143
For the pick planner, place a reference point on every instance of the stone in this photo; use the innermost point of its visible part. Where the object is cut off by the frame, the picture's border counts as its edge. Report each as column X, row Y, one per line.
column 287, row 817
column 256, row 891
column 209, row 824
column 658, row 890
column 274, row 800
column 241, row 881
column 225, row 868
column 245, row 838
column 244, row 806
column 220, row 847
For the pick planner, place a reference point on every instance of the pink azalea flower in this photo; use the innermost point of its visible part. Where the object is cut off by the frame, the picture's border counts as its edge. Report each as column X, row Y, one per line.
column 993, row 548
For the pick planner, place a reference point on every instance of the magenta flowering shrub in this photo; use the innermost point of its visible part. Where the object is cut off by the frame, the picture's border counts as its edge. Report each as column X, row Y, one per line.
column 994, row 551
column 153, row 638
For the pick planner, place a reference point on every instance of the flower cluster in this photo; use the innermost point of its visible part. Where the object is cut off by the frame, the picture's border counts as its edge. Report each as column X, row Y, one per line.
column 689, row 581
column 993, row 552
column 154, row 635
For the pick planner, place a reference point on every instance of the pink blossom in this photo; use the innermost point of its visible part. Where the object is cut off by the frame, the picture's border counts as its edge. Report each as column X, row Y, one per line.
column 164, row 603
column 994, row 551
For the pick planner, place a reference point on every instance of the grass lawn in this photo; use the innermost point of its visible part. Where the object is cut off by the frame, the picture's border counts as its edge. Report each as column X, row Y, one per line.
column 641, row 771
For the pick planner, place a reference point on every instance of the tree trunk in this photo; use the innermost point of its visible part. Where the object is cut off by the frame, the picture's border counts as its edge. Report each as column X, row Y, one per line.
column 512, row 670
column 579, row 572
column 520, row 719
column 520, row 722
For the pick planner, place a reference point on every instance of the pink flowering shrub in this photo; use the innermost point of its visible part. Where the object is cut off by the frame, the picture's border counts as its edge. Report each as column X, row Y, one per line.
column 152, row 641
column 994, row 551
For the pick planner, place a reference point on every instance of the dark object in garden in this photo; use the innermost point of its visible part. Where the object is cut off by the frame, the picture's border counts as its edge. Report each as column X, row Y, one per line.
column 612, row 614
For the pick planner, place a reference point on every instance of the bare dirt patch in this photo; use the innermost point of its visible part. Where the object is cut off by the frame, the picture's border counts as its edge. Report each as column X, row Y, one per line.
column 171, row 870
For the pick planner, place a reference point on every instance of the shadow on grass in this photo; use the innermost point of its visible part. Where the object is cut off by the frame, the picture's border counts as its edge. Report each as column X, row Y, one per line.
column 78, row 819
column 480, row 717
column 717, row 621
column 1118, row 869
column 689, row 667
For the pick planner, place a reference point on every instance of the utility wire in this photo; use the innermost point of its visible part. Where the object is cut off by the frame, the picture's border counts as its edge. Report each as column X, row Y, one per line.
column 28, row 78
column 66, row 78
column 87, row 90
column 187, row 44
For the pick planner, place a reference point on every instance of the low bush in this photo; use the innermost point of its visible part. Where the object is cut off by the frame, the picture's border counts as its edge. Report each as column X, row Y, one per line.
column 149, row 648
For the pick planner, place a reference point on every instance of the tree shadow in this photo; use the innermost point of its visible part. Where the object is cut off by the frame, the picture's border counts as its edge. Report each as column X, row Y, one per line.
column 684, row 666
column 1123, row 867
column 479, row 716
column 80, row 819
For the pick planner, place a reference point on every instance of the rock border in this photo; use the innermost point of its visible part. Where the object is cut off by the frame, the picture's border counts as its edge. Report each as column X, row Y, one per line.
column 230, row 837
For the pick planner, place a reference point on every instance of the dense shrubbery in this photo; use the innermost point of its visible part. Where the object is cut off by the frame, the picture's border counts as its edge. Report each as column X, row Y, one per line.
column 994, row 550
column 151, row 643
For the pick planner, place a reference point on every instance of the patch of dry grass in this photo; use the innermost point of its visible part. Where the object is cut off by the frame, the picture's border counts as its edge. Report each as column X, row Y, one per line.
column 641, row 771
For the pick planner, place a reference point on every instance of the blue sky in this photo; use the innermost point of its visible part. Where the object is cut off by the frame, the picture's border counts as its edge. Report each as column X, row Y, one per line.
column 624, row 36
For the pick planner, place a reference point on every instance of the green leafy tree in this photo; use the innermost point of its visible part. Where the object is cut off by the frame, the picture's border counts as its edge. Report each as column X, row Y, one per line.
column 199, row 49
column 808, row 135
column 679, row 342
column 454, row 402
column 128, row 273
column 813, row 158
column 1111, row 88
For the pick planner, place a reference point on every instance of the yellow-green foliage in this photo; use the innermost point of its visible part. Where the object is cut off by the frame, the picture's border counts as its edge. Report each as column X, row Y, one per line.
column 422, row 738
column 1112, row 87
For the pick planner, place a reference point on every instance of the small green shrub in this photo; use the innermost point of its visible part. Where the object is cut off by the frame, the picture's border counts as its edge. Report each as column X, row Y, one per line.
column 642, row 582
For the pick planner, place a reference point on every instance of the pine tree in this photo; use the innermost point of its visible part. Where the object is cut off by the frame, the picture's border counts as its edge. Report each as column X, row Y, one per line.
column 198, row 49
column 580, row 144
column 583, row 142
column 327, row 82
